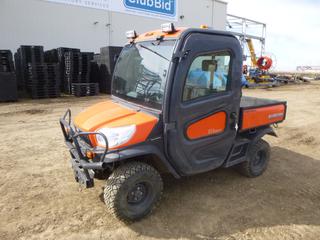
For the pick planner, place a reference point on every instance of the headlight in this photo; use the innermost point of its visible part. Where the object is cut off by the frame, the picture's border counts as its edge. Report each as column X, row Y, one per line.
column 116, row 136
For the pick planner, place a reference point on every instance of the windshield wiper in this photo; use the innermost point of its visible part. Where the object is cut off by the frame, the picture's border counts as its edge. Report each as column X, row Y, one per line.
column 149, row 49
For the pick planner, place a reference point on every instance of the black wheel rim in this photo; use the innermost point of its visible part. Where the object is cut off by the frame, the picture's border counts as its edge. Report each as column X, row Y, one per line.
column 138, row 194
column 259, row 159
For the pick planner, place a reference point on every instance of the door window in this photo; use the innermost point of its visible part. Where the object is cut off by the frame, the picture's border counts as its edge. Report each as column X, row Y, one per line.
column 208, row 74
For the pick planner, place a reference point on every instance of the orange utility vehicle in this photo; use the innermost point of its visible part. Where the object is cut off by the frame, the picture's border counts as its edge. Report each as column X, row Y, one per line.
column 176, row 108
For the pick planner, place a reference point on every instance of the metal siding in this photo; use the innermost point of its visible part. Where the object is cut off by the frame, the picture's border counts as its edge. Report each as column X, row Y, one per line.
column 51, row 25
column 196, row 14
column 120, row 23
column 36, row 22
column 219, row 15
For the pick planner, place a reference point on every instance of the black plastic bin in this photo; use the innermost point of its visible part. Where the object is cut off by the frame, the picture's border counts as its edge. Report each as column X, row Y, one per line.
column 8, row 89
column 25, row 56
column 6, row 61
column 85, row 89
column 43, row 80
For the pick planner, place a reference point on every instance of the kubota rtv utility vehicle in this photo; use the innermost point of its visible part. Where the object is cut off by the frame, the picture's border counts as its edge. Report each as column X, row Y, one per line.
column 176, row 107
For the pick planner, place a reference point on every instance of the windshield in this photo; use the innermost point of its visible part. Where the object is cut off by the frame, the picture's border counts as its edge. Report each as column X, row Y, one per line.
column 141, row 72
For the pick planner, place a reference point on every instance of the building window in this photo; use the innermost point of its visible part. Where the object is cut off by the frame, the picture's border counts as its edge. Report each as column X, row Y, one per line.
column 208, row 75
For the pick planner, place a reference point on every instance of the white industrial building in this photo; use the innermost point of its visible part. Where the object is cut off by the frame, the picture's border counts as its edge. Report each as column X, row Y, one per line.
column 91, row 24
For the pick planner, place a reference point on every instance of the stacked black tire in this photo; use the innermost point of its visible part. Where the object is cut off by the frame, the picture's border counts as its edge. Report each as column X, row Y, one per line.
column 8, row 82
column 37, row 78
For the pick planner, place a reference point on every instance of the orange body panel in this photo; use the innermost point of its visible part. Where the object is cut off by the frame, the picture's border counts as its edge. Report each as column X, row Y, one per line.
column 152, row 35
column 208, row 126
column 109, row 114
column 256, row 117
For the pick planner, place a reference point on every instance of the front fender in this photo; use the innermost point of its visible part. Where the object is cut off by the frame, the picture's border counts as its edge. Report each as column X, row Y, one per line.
column 141, row 151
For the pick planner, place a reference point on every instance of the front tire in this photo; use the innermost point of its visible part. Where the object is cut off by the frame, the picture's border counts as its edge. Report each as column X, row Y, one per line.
column 257, row 159
column 132, row 191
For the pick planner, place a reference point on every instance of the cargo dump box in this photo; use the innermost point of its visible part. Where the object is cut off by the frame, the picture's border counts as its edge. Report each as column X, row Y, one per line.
column 258, row 112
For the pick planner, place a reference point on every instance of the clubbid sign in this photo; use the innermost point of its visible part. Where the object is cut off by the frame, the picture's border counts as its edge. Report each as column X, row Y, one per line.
column 163, row 9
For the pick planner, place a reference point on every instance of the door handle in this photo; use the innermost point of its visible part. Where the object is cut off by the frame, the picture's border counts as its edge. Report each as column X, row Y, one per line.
column 234, row 120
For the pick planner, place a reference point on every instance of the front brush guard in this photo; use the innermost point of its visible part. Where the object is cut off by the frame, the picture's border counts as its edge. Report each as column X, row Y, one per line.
column 83, row 167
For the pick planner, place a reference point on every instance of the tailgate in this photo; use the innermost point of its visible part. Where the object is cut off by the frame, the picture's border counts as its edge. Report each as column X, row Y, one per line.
column 257, row 112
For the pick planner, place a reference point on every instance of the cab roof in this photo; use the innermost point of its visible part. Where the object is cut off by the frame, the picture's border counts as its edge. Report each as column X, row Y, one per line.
column 155, row 34
column 152, row 35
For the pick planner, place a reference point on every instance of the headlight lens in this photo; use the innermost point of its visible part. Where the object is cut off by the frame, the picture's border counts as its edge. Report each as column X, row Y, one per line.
column 116, row 136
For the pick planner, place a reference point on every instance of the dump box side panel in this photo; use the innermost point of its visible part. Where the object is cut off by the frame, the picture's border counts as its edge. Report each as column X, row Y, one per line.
column 261, row 116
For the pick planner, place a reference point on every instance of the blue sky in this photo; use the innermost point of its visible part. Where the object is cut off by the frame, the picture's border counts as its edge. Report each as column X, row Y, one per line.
column 293, row 28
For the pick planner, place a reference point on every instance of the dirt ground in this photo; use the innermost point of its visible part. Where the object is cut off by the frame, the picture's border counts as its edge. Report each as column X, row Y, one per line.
column 40, row 200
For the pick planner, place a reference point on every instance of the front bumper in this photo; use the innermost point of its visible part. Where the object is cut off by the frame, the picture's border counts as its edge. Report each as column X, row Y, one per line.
column 83, row 166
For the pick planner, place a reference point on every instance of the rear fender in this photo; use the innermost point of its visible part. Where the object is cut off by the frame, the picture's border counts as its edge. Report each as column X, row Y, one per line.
column 244, row 142
column 260, row 133
column 265, row 131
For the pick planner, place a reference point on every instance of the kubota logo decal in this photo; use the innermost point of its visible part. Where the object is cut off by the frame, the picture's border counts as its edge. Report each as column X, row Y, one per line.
column 275, row 115
column 162, row 7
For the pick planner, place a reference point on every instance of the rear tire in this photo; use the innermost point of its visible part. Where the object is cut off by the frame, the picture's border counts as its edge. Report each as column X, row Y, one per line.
column 257, row 160
column 132, row 191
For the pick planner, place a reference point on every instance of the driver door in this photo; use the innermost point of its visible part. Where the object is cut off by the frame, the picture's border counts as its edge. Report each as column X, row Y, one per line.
column 204, row 103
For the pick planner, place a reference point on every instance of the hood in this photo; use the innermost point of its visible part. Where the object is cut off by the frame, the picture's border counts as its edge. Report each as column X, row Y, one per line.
column 110, row 114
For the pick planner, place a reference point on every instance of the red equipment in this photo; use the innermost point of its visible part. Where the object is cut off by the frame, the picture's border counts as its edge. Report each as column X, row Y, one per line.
column 264, row 63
